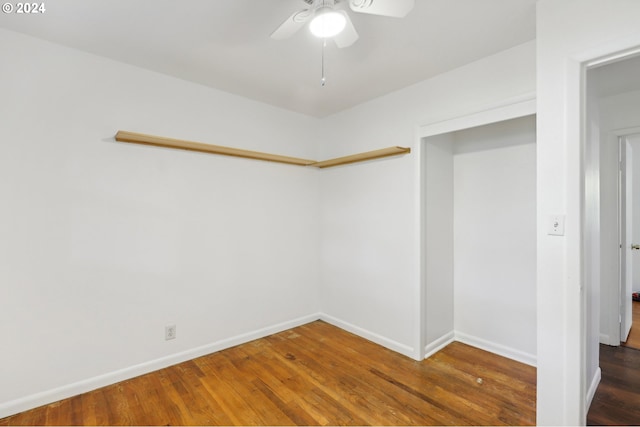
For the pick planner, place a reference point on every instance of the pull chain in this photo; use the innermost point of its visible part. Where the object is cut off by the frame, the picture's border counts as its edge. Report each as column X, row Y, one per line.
column 323, row 81
column 324, row 44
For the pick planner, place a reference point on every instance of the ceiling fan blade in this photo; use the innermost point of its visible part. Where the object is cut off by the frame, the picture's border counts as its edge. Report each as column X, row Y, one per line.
column 349, row 35
column 291, row 25
column 394, row 8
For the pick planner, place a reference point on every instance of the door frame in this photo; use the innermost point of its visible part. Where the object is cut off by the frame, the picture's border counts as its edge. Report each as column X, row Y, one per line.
column 625, row 178
column 611, row 334
column 506, row 109
column 619, row 309
column 578, row 386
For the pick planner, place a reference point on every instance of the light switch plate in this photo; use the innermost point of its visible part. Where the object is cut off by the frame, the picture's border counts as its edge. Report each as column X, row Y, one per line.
column 555, row 225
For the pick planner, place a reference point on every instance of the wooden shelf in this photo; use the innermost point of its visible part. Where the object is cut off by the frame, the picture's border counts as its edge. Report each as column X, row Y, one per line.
column 159, row 141
column 361, row 157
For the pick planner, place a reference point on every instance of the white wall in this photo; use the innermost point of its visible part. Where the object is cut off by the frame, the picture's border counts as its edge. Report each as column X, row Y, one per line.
column 439, row 260
column 569, row 32
column 592, row 240
column 371, row 211
column 102, row 244
column 610, row 241
column 495, row 237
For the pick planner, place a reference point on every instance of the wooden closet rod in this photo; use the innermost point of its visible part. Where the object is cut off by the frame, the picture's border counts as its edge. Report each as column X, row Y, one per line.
column 159, row 141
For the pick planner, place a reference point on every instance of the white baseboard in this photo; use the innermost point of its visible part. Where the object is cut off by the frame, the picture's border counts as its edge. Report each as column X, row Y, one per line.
column 43, row 398
column 604, row 339
column 591, row 392
column 437, row 345
column 498, row 349
column 371, row 336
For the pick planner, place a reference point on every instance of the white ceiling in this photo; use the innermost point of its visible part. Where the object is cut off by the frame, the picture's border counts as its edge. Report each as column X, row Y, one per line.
column 225, row 44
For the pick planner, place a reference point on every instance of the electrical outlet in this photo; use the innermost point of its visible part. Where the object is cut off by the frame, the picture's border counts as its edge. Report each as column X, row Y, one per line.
column 170, row 332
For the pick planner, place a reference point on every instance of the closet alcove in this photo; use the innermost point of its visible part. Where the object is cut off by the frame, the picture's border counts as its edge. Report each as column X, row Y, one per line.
column 479, row 243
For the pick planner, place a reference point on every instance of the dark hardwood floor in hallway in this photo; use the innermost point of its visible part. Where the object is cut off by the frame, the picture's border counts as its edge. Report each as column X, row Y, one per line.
column 617, row 400
column 633, row 340
column 315, row 374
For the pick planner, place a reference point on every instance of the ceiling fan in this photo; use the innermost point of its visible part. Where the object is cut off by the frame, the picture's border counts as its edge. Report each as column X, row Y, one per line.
column 328, row 20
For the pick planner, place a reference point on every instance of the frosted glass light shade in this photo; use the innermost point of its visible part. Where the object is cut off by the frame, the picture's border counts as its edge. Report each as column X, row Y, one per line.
column 327, row 23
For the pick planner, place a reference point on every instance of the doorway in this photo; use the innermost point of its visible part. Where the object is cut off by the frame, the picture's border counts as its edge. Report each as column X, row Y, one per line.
column 613, row 118
column 480, row 237
column 613, row 123
column 630, row 238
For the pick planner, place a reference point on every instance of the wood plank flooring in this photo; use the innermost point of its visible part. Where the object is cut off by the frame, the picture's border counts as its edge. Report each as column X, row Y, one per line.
column 617, row 400
column 315, row 374
column 633, row 340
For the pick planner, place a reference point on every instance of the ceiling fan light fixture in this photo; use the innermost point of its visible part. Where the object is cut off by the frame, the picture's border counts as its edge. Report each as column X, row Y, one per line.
column 327, row 23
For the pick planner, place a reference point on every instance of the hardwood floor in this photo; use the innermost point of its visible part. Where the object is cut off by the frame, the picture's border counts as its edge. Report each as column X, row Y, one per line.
column 633, row 340
column 315, row 374
column 617, row 400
